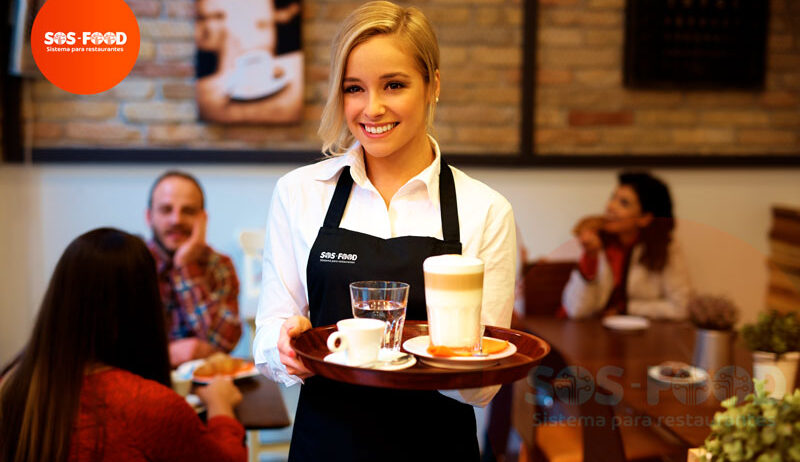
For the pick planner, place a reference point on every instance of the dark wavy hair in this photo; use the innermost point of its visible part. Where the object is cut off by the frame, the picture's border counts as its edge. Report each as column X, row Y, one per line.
column 102, row 307
column 654, row 198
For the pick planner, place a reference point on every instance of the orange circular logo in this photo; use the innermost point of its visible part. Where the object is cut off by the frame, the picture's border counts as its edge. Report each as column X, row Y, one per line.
column 85, row 46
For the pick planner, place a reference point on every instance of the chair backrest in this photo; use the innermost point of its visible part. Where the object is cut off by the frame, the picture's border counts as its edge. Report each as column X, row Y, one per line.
column 543, row 282
column 251, row 242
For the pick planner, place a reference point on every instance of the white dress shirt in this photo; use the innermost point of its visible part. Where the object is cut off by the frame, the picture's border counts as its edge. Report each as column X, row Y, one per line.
column 298, row 208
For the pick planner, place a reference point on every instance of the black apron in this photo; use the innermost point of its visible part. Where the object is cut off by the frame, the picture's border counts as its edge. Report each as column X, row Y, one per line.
column 336, row 421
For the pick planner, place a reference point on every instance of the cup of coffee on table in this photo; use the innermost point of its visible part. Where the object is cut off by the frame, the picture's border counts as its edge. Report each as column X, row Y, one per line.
column 181, row 383
column 360, row 339
column 384, row 300
column 453, row 295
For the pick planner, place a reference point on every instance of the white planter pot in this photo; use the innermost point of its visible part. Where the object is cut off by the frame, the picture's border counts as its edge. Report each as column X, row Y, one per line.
column 779, row 376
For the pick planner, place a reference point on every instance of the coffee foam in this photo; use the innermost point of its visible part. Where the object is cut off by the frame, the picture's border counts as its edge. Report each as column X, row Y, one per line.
column 452, row 264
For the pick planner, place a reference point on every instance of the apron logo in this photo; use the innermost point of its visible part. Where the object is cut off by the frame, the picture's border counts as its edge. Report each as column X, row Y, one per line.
column 333, row 257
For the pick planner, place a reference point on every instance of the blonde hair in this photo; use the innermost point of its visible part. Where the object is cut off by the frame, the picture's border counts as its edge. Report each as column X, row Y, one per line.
column 371, row 19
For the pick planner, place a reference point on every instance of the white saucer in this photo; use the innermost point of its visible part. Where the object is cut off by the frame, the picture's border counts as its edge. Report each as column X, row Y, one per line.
column 419, row 346
column 696, row 375
column 267, row 88
column 625, row 322
column 384, row 355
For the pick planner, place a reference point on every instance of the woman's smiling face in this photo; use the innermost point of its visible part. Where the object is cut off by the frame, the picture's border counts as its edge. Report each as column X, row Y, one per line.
column 385, row 98
column 624, row 212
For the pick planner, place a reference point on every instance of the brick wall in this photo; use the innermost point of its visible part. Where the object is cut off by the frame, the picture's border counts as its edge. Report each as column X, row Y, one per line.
column 581, row 105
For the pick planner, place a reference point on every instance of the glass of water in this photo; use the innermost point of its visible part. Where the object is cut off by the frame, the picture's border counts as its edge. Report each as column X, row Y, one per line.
column 384, row 300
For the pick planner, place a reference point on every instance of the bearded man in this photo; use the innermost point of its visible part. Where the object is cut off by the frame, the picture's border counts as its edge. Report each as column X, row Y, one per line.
column 199, row 287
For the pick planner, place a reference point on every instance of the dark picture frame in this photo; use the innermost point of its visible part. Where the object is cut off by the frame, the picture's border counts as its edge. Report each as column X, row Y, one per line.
column 530, row 158
column 695, row 45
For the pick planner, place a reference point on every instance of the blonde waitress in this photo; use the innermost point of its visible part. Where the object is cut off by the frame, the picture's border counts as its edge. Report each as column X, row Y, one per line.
column 386, row 195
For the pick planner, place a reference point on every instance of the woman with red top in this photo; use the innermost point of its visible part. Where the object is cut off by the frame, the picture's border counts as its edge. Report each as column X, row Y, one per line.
column 631, row 264
column 92, row 383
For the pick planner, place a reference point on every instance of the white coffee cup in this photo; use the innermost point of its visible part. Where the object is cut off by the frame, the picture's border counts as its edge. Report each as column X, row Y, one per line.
column 359, row 338
column 454, row 295
column 252, row 76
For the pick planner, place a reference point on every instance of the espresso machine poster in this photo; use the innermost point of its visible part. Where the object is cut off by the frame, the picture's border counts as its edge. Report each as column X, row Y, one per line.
column 249, row 61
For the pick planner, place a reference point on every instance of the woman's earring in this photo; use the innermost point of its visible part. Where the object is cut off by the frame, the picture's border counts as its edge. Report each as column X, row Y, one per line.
column 437, row 100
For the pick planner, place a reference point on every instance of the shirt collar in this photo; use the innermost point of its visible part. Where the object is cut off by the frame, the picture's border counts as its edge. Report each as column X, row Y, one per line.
column 162, row 258
column 354, row 158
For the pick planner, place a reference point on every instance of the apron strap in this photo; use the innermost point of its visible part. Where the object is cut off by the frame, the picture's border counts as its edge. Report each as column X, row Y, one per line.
column 447, row 203
column 339, row 201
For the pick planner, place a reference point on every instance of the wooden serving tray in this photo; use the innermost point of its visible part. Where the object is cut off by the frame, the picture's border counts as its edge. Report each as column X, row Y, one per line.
column 312, row 349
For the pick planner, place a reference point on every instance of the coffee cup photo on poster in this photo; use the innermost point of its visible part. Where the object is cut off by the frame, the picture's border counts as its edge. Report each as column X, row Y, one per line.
column 249, row 62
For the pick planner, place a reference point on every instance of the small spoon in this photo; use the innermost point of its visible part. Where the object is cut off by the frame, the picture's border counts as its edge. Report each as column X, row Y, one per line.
column 402, row 359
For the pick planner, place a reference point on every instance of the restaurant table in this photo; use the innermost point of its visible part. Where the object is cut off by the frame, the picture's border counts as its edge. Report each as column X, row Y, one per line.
column 618, row 361
column 262, row 405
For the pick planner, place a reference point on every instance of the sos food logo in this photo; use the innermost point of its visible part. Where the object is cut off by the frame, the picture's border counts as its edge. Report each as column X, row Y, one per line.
column 85, row 46
column 95, row 38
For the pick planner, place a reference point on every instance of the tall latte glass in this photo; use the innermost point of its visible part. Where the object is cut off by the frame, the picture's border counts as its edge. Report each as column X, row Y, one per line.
column 453, row 294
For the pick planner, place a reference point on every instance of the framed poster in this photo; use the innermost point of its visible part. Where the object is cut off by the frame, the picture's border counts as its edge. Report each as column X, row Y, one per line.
column 21, row 60
column 249, row 63
column 703, row 44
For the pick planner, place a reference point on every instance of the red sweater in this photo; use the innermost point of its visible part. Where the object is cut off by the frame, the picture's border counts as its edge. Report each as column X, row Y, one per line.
column 134, row 419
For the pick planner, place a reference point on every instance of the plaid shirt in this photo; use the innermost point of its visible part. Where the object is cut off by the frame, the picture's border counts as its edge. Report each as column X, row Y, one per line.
column 200, row 298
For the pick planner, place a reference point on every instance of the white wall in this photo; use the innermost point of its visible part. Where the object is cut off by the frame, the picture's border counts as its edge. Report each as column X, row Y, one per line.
column 725, row 216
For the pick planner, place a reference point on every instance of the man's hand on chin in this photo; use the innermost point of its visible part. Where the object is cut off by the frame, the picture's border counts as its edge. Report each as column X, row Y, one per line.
column 191, row 250
column 187, row 349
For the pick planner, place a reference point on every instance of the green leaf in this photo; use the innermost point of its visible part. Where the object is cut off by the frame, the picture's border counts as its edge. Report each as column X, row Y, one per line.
column 769, row 435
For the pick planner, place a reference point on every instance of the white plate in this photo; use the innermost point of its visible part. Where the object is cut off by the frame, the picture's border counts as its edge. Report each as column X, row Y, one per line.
column 195, row 402
column 419, row 346
column 384, row 355
column 623, row 322
column 696, row 375
column 186, row 371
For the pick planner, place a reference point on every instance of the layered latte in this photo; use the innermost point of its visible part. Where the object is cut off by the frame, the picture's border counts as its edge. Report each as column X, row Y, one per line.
column 454, row 294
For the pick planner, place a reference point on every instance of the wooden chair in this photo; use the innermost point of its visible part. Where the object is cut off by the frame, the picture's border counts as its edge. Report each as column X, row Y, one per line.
column 543, row 283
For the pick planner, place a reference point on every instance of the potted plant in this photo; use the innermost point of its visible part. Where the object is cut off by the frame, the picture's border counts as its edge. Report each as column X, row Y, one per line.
column 775, row 342
column 714, row 317
column 761, row 428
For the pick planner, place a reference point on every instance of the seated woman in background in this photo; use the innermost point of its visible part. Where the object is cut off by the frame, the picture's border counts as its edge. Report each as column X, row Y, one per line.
column 93, row 381
column 630, row 264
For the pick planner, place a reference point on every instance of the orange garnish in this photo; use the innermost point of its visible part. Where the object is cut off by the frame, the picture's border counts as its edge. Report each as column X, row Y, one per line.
column 489, row 345
column 493, row 345
column 444, row 351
